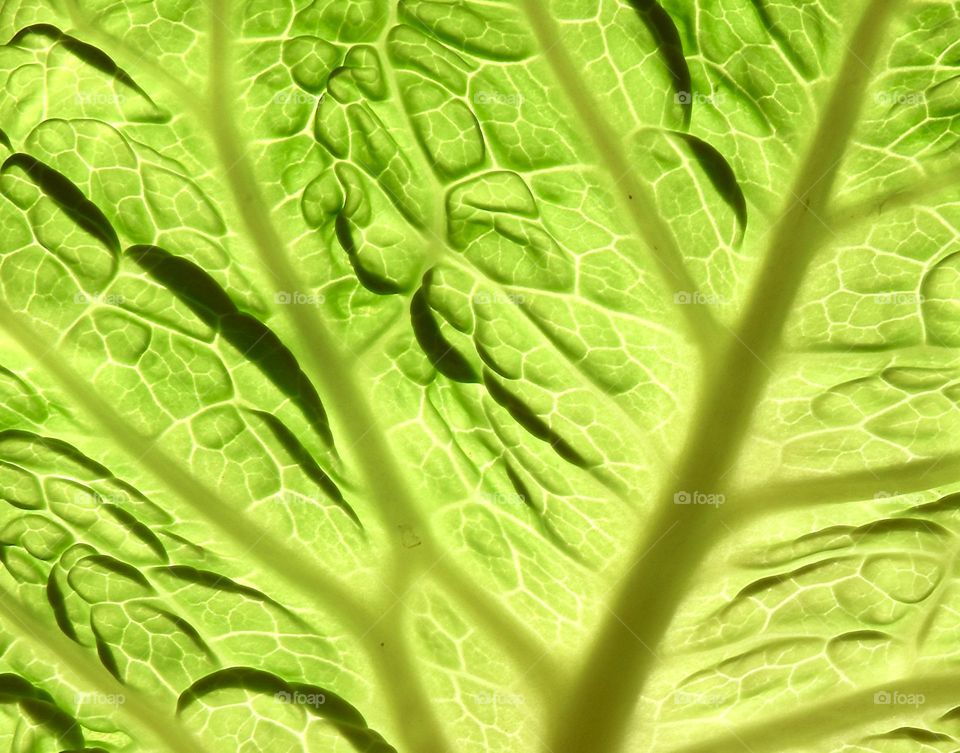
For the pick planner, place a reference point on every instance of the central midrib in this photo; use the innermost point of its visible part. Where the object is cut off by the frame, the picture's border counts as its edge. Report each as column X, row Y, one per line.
column 602, row 699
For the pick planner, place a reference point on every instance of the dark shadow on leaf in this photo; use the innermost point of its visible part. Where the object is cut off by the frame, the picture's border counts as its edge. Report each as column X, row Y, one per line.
column 524, row 415
column 721, row 176
column 138, row 530
column 344, row 717
column 58, row 604
column 118, row 568
column 305, row 460
column 372, row 282
column 664, row 31
column 188, row 630
column 39, row 707
column 255, row 340
column 107, row 658
column 547, row 529
column 62, row 191
column 445, row 358
column 914, row 734
column 86, row 52
column 776, row 33
column 214, row 581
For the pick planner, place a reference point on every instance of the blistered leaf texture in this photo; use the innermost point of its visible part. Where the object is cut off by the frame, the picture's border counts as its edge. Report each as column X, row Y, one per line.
column 479, row 376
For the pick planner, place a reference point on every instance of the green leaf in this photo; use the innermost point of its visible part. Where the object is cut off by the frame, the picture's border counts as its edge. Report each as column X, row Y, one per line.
column 439, row 376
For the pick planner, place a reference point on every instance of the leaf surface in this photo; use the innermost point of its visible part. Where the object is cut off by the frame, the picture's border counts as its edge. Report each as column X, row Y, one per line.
column 444, row 375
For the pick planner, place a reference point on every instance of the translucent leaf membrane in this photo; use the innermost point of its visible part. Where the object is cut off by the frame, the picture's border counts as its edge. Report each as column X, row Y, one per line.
column 444, row 375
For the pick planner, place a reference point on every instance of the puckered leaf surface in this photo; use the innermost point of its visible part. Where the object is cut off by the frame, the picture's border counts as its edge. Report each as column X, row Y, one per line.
column 479, row 376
